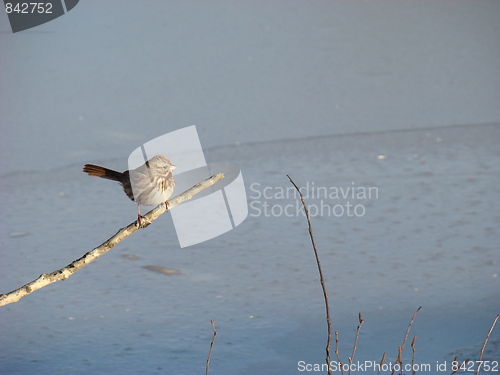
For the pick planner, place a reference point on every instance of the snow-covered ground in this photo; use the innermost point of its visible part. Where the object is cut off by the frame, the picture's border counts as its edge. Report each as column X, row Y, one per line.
column 411, row 126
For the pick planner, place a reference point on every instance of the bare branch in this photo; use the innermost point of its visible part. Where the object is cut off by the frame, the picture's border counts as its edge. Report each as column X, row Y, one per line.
column 212, row 322
column 381, row 363
column 65, row 272
column 402, row 347
column 339, row 361
column 321, row 279
column 457, row 368
column 355, row 346
column 413, row 351
column 485, row 342
column 409, row 326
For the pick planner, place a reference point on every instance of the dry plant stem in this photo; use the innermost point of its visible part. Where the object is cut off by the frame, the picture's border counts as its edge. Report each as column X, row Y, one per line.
column 413, row 349
column 321, row 279
column 65, row 272
column 337, row 351
column 409, row 326
column 381, row 362
column 402, row 347
column 486, row 341
column 361, row 320
column 212, row 322
column 461, row 366
column 399, row 361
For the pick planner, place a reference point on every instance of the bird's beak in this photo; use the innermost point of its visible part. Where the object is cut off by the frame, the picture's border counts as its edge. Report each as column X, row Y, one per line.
column 173, row 167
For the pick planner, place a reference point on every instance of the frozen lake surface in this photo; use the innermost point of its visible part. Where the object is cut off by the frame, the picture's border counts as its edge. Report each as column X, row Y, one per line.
column 429, row 238
column 396, row 102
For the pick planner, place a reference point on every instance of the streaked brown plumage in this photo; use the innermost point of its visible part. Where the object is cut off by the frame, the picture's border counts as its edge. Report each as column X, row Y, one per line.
column 149, row 185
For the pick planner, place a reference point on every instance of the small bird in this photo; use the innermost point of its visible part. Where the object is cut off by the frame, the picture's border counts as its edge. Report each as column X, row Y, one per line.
column 150, row 184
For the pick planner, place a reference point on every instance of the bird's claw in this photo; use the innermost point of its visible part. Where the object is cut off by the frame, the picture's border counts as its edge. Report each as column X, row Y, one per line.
column 140, row 223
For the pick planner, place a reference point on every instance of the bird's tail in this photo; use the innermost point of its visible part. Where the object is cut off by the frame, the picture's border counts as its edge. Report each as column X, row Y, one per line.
column 97, row 171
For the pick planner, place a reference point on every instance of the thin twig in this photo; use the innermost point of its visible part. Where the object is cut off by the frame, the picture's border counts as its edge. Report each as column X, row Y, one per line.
column 361, row 320
column 413, row 350
column 62, row 274
column 402, row 347
column 454, row 360
column 457, row 368
column 321, row 279
column 409, row 326
column 485, row 342
column 398, row 361
column 381, row 362
column 212, row 322
column 339, row 361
